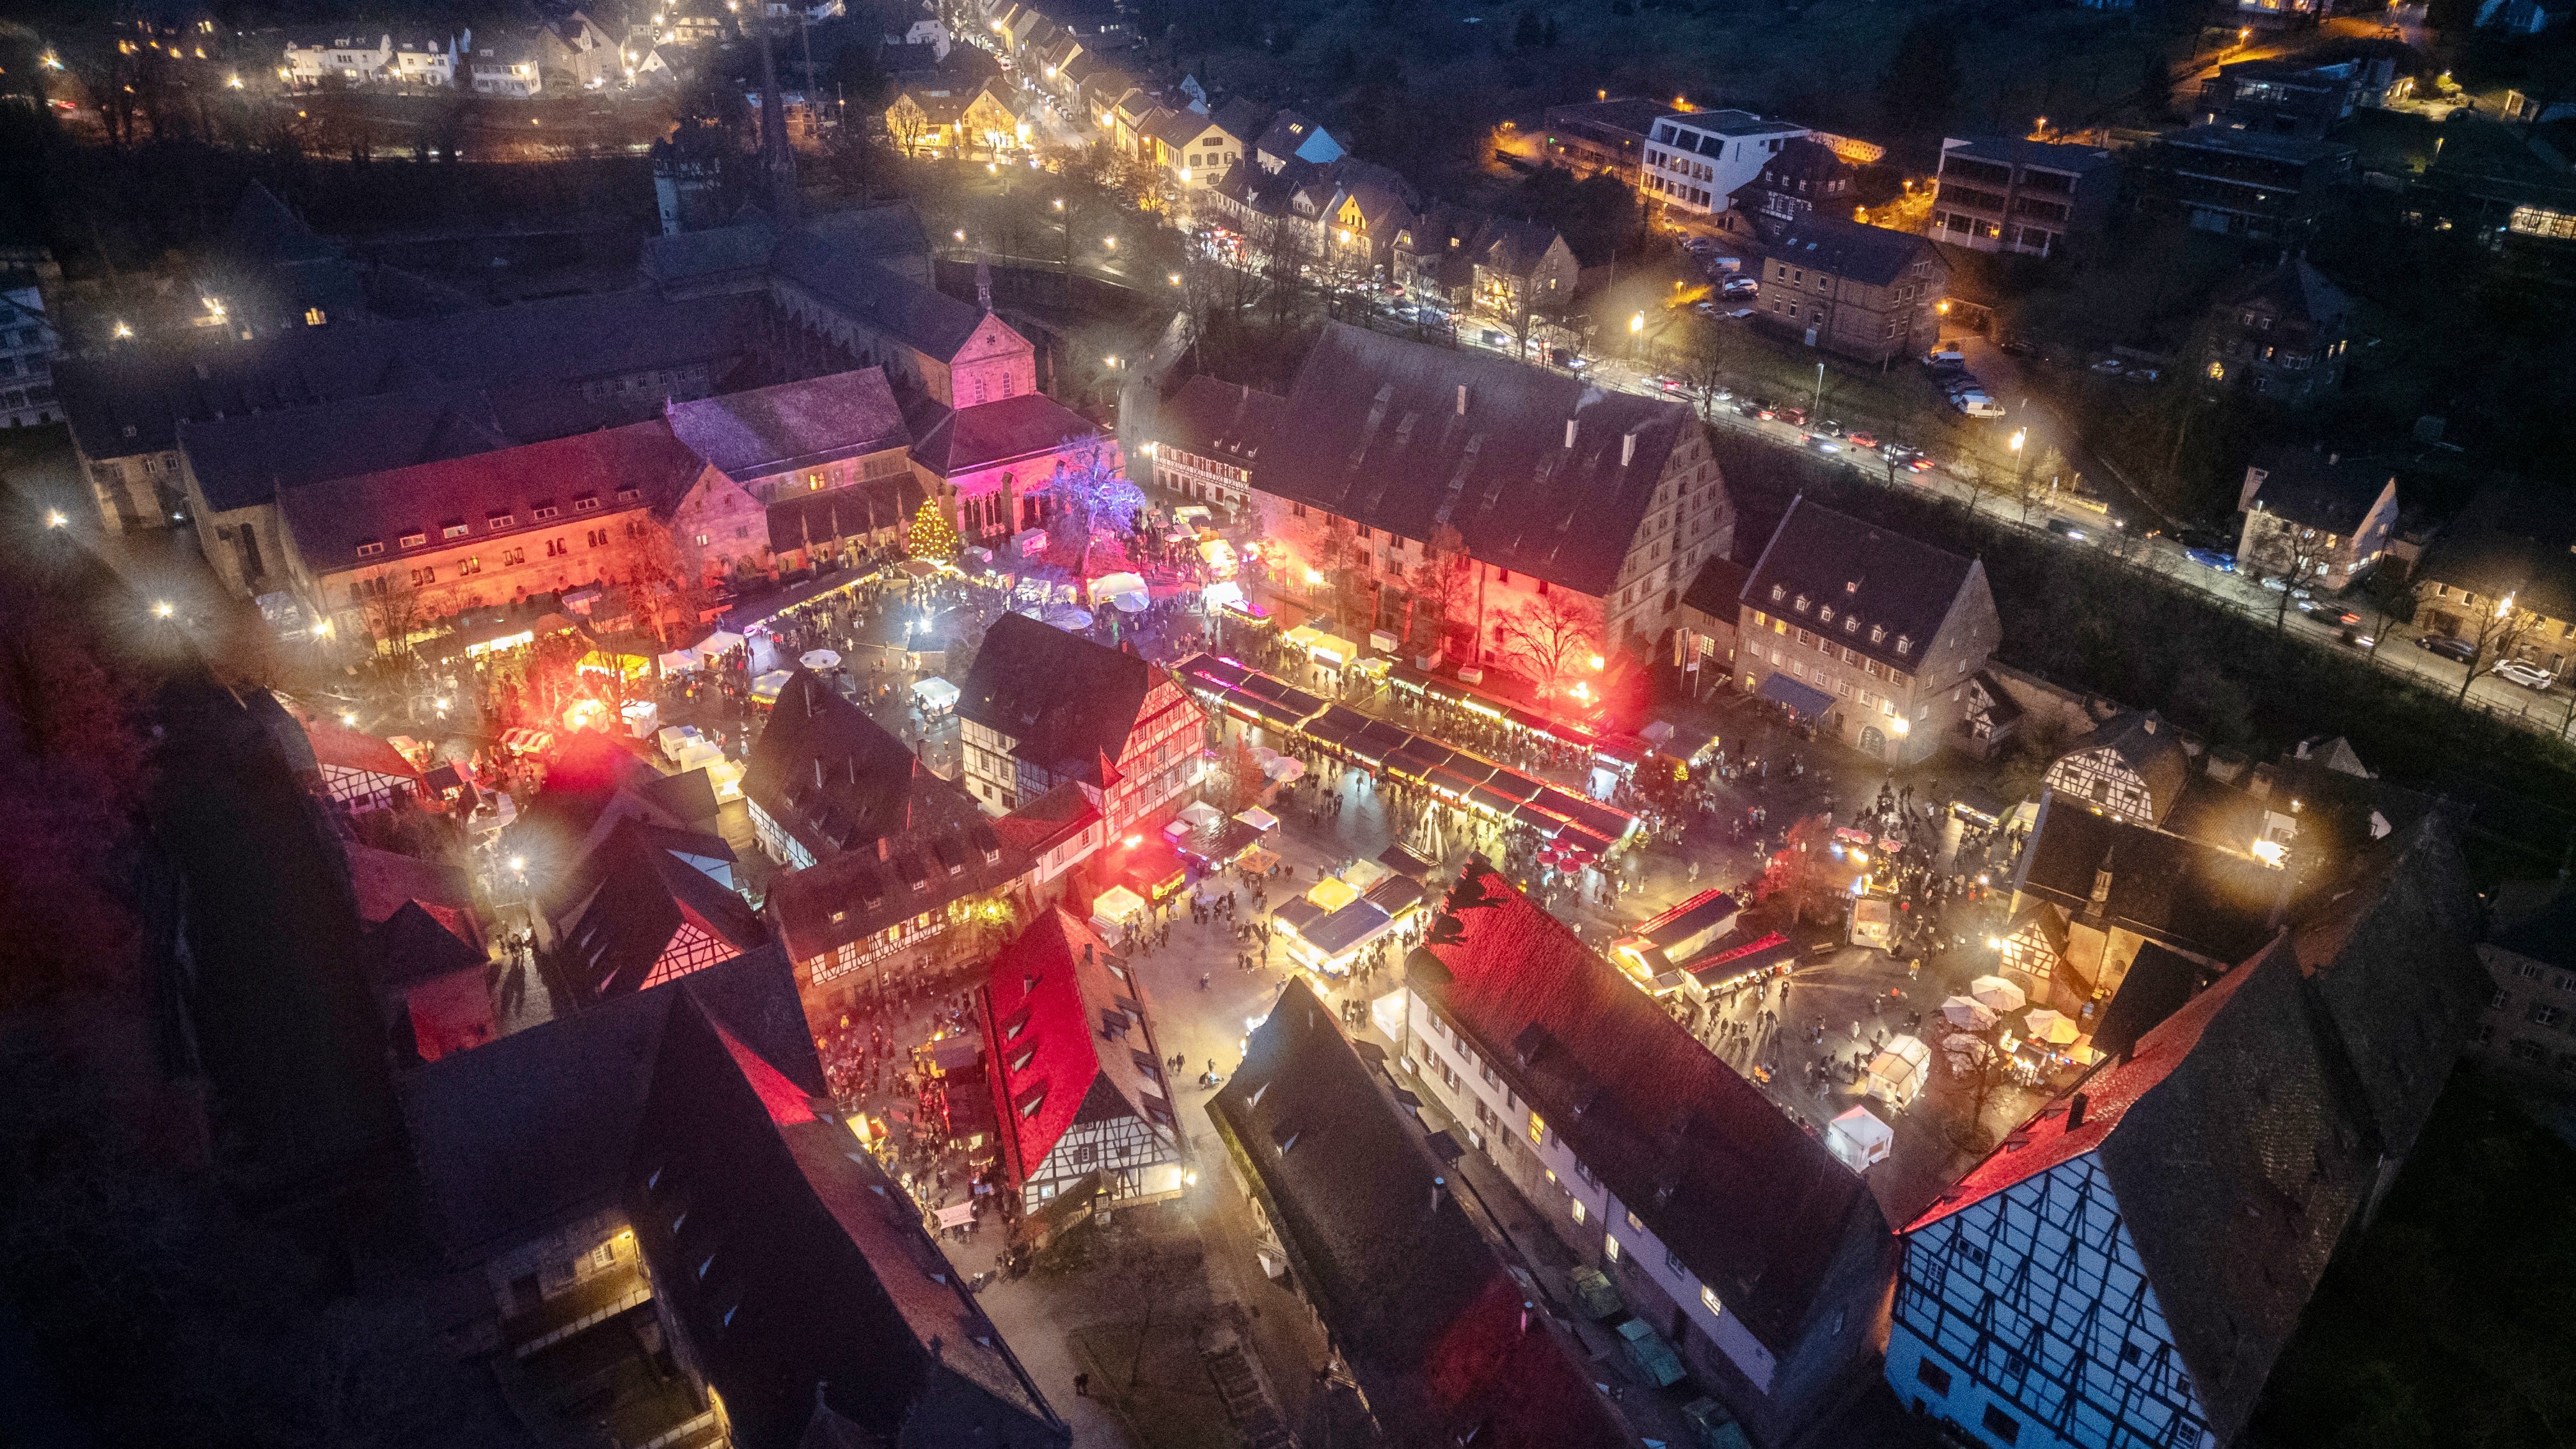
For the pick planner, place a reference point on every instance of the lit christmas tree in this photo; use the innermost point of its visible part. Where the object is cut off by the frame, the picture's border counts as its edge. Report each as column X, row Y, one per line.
column 933, row 536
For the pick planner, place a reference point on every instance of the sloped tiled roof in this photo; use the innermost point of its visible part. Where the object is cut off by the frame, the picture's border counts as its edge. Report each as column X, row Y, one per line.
column 1067, row 703
column 1872, row 255
column 1752, row 1205
column 2296, row 291
column 1374, row 433
column 1859, row 570
column 1222, row 419
column 793, row 424
column 2199, row 898
column 920, row 317
column 243, row 461
column 2308, row 487
column 798, row 1271
column 331, row 519
column 354, row 750
column 984, row 434
column 830, row 775
column 1429, row 1318
column 2518, row 540
column 949, row 853
column 1065, row 1042
column 643, row 896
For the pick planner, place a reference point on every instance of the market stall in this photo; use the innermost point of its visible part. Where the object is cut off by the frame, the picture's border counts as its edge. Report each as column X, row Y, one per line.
column 1116, row 909
column 1900, row 1070
column 935, row 695
column 1858, row 1138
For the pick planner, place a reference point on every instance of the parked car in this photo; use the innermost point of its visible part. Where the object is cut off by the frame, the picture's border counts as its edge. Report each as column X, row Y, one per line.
column 1497, row 339
column 2459, row 651
column 1829, row 427
column 1749, row 408
column 2110, row 365
column 1945, row 357
column 2140, row 374
column 1962, row 382
column 1739, row 314
column 1741, row 287
column 1566, row 358
column 2211, row 559
column 2526, row 675
column 1818, row 442
column 1977, row 405
column 2066, row 530
column 2015, row 347
column 2204, row 538
column 1669, row 383
column 1708, row 309
column 1794, row 417
column 1860, row 440
column 1699, row 244
column 2277, row 584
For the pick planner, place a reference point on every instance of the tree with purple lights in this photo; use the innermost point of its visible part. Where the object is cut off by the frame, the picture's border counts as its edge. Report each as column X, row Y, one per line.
column 1088, row 495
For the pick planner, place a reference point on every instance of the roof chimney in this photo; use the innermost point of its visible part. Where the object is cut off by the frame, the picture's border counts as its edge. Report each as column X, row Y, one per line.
column 1569, row 432
column 1462, row 399
column 1627, row 448
column 2075, row 1111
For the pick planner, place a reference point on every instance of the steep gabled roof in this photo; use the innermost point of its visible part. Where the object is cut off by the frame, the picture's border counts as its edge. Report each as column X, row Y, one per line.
column 798, row 1271
column 244, row 460
column 2200, row 898
column 984, row 434
column 1752, row 1205
column 830, row 775
column 793, row 424
column 1067, row 703
column 1221, row 419
column 922, row 318
column 651, row 915
column 2150, row 747
column 2298, row 292
column 949, row 852
column 1899, row 589
column 1374, row 432
column 1065, row 1042
column 1429, row 1318
column 1872, row 255
column 2311, row 488
column 348, row 749
column 2511, row 539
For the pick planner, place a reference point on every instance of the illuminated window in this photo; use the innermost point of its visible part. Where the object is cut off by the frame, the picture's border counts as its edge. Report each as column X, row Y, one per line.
column 1708, row 1299
column 313, row 317
column 1610, row 1249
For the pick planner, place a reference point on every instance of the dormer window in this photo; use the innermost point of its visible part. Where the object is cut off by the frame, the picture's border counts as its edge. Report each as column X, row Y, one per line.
column 1825, row 615
column 1802, row 603
column 453, row 530
column 414, row 540
column 629, row 495
column 371, row 548
column 1851, row 623
column 1877, row 634
column 500, row 520
column 585, row 503
column 1903, row 644
column 1778, row 592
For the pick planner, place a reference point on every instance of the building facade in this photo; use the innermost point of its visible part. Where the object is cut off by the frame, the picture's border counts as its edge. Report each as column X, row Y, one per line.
column 1208, row 438
column 1871, row 634
column 2240, row 183
column 2285, row 336
column 1695, row 160
column 1997, row 194
column 2326, row 519
column 27, row 346
column 1864, row 292
column 1043, row 708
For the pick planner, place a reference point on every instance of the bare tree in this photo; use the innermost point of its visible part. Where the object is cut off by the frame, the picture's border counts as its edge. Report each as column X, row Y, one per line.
column 2496, row 632
column 907, row 125
column 1982, row 1070
column 1444, row 585
column 1551, row 633
column 2392, row 601
column 2289, row 553
column 1707, row 363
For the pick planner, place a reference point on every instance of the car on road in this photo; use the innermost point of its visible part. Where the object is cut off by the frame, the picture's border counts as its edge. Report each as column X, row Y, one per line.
column 1794, row 417
column 2527, row 675
column 2278, row 584
column 2205, row 538
column 2109, row 365
column 1497, row 339
column 1751, row 408
column 2458, row 651
column 1829, row 427
column 2140, row 374
column 2357, row 639
column 2211, row 559
column 2065, row 530
column 1566, row 358
column 1699, row 244
column 1860, row 440
column 1818, row 442
column 1670, row 383
column 1738, row 314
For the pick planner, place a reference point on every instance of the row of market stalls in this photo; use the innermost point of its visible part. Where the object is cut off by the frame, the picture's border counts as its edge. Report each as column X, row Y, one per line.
column 1576, row 830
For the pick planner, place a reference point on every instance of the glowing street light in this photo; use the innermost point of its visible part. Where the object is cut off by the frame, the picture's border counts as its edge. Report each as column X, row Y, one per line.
column 161, row 609
column 54, row 518
column 349, row 717
column 121, row 330
column 1110, row 242
column 2018, row 435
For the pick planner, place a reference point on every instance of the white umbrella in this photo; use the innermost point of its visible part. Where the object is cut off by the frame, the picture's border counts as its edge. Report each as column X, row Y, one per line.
column 1131, row 602
column 1069, row 618
column 821, row 659
column 1968, row 1013
column 2054, row 1027
column 1998, row 993
column 1285, row 769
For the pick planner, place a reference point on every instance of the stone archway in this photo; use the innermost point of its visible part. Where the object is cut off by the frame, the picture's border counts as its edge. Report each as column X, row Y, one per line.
column 1872, row 741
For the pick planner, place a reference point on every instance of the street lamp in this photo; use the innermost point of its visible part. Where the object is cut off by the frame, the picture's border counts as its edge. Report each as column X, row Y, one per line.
column 54, row 518
column 1110, row 242
column 2018, row 435
column 161, row 609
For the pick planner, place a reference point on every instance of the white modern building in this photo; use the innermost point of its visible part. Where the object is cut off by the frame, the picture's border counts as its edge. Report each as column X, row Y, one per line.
column 1695, row 160
column 415, row 60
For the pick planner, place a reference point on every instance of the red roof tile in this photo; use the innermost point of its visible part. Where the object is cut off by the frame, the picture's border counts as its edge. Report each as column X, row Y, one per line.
column 1039, row 1005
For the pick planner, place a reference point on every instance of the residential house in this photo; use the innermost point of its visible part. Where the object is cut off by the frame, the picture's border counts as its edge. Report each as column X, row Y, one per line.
column 1356, row 1214
column 1591, row 138
column 792, row 1277
column 1803, row 177
column 2503, row 576
column 1729, row 1230
column 1208, row 437
column 2034, row 198
column 359, row 772
column 577, row 53
column 1194, row 147
column 812, row 471
column 1578, row 515
column 946, row 118
column 2240, row 183
column 1078, row 1081
column 824, row 778
column 1695, row 160
column 2283, row 337
column 2287, row 97
column 908, row 908
column 510, row 64
column 1467, row 260
column 2523, row 17
column 2132, row 767
column 2272, row 14
column 1043, row 708
column 1292, row 136
column 1864, row 292
column 347, row 59
column 2321, row 516
column 2129, row 1264
column 1869, row 633
column 2529, row 1028
column 1711, row 607
column 27, row 344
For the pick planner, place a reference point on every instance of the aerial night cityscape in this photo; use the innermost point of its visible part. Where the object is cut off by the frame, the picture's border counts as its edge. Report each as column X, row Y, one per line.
column 1180, row 724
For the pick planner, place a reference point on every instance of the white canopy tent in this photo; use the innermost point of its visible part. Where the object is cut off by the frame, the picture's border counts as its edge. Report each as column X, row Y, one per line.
column 1899, row 1070
column 722, row 641
column 676, row 661
column 934, row 694
column 1201, row 815
column 1859, row 1138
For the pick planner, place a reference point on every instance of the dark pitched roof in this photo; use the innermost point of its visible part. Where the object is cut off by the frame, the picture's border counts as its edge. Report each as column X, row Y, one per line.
column 1374, row 432
column 1872, row 255
column 652, row 916
column 1900, row 589
column 920, row 317
column 2149, row 747
column 331, row 519
column 948, row 852
column 1067, row 703
column 1752, row 1205
column 1243, row 118
column 830, row 775
column 1221, row 419
column 534, row 359
column 2295, row 150
column 2198, row 898
column 1064, row 1036
column 798, row 1271
column 413, row 945
column 2018, row 151
column 2297, row 291
column 263, row 230
column 984, row 434
column 689, row 255
column 1718, row 589
column 2308, row 487
column 793, row 424
column 243, row 461
column 2511, row 540
column 2155, row 986
column 800, row 520
column 520, row 1135
column 1429, row 1318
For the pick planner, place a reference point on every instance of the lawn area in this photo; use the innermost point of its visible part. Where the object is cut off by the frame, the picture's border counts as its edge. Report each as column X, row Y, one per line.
column 2448, row 1322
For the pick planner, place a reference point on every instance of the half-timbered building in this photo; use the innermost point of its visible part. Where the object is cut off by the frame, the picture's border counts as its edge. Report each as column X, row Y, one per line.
column 1043, row 708
column 2125, row 1268
column 1077, row 1079
column 360, row 771
column 2132, row 768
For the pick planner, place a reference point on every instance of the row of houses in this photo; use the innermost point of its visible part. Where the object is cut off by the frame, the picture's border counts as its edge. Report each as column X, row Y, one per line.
column 569, row 53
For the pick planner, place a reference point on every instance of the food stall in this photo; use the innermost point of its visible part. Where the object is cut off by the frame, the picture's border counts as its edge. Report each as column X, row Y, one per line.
column 1858, row 1138
column 1873, row 921
column 1739, row 959
column 1900, row 1070
column 1327, row 928
column 935, row 695
column 1116, row 909
column 766, row 689
column 1653, row 954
